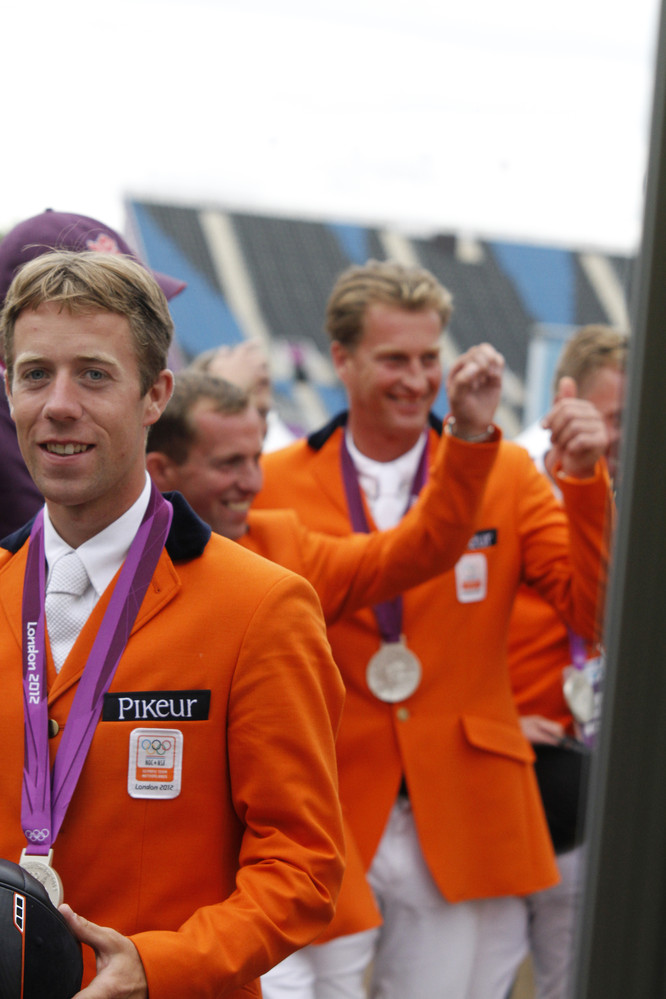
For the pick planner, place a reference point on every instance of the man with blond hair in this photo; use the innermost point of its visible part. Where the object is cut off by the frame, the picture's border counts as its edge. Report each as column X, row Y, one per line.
column 436, row 777
column 173, row 717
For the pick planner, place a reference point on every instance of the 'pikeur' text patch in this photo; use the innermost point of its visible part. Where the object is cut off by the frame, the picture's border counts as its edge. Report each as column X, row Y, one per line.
column 156, row 705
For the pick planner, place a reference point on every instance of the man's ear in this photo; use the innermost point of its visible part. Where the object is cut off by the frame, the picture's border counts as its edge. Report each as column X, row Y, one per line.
column 339, row 356
column 157, row 397
column 162, row 470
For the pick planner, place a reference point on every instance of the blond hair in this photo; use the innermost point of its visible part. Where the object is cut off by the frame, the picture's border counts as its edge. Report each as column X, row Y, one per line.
column 591, row 348
column 94, row 282
column 386, row 282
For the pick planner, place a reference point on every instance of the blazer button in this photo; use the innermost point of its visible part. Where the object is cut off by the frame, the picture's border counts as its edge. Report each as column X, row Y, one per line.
column 402, row 714
column 54, row 728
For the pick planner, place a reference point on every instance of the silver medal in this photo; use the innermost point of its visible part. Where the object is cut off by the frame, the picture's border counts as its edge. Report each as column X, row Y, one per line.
column 40, row 868
column 393, row 673
column 579, row 695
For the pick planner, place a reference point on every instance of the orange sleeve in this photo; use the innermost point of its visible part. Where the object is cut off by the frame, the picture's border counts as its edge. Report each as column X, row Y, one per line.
column 574, row 587
column 364, row 569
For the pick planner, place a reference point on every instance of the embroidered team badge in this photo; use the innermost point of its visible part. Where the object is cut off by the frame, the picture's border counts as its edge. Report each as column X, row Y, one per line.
column 155, row 763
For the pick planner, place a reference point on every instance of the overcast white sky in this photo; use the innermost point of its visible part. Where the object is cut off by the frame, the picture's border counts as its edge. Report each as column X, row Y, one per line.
column 518, row 119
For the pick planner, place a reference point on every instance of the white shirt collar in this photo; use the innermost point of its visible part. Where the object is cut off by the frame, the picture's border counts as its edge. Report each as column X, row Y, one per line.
column 386, row 484
column 387, row 476
column 103, row 554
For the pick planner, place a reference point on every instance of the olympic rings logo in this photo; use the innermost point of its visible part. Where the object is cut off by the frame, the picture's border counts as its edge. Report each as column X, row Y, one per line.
column 37, row 835
column 158, row 747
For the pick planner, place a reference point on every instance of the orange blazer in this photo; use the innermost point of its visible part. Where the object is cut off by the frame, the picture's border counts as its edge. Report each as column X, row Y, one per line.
column 456, row 740
column 243, row 866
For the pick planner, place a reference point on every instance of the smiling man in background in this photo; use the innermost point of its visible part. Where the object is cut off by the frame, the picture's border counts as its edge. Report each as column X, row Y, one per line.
column 435, row 775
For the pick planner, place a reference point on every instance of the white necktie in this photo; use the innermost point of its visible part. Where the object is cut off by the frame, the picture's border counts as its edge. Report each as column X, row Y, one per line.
column 65, row 606
column 387, row 510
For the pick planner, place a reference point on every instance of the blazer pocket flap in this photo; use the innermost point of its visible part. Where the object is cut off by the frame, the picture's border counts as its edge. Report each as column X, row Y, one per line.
column 497, row 737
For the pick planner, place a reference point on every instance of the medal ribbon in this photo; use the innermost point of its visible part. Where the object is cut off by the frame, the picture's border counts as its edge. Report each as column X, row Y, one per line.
column 45, row 798
column 578, row 651
column 389, row 613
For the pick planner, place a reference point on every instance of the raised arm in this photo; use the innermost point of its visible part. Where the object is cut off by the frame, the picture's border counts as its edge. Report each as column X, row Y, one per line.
column 576, row 463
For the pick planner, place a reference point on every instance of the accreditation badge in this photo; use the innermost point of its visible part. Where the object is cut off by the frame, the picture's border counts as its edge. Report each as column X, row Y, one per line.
column 471, row 577
column 393, row 673
column 155, row 763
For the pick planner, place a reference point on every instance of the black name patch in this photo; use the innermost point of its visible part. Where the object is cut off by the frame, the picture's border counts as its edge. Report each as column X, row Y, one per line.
column 483, row 539
column 156, row 705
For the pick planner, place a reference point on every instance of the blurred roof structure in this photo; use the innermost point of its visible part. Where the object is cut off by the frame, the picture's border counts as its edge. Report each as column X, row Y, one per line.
column 269, row 277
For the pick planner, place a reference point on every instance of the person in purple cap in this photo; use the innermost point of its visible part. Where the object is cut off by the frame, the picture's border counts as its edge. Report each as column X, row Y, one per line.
column 19, row 497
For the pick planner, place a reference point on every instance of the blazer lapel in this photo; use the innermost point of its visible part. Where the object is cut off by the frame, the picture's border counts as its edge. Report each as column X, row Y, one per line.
column 11, row 591
column 326, row 468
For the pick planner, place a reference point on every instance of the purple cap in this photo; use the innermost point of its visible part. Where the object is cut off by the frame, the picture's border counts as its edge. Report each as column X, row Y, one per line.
column 64, row 231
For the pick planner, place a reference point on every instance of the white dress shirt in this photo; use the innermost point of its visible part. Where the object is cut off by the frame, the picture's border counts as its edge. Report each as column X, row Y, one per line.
column 102, row 555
